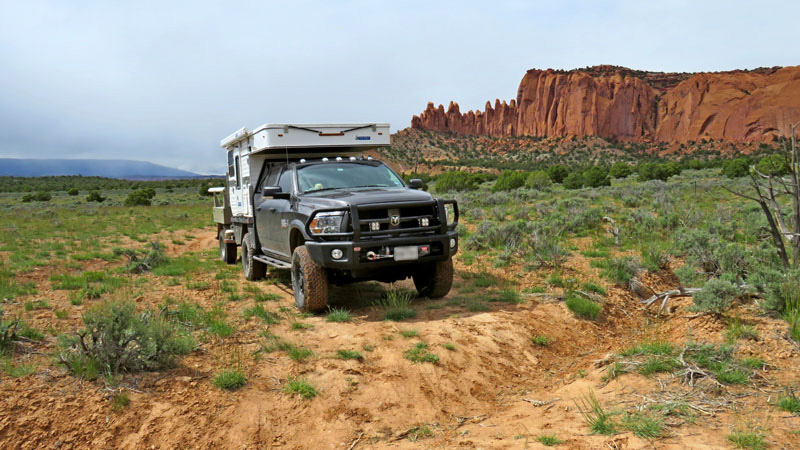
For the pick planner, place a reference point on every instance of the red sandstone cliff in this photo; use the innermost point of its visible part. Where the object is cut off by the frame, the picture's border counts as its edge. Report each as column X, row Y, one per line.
column 614, row 102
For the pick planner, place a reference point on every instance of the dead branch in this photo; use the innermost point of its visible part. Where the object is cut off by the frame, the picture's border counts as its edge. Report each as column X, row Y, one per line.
column 612, row 228
column 680, row 291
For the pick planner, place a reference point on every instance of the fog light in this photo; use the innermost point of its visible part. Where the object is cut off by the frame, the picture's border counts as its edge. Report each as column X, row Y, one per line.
column 424, row 222
column 452, row 243
column 336, row 254
column 374, row 226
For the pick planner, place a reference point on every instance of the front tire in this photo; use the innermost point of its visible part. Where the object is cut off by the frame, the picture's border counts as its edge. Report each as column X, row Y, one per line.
column 309, row 282
column 253, row 270
column 434, row 280
column 227, row 251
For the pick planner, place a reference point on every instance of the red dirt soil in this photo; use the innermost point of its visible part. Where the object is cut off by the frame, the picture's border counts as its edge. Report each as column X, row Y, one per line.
column 482, row 395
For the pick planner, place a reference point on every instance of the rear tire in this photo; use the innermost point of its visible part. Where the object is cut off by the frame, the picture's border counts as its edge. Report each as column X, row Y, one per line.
column 309, row 282
column 253, row 270
column 227, row 251
column 434, row 280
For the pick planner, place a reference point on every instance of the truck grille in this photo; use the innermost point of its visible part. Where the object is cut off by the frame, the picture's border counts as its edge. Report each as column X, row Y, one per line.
column 402, row 220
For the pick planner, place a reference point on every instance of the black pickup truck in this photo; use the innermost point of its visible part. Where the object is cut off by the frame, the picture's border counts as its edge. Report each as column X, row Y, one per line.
column 337, row 221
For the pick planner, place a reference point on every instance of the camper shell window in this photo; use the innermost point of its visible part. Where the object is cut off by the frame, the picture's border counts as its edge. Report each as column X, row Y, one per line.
column 238, row 174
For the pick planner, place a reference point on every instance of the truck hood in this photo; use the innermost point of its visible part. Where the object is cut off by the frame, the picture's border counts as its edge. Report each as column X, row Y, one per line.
column 341, row 198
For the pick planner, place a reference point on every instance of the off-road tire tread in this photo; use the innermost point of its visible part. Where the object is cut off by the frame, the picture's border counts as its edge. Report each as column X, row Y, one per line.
column 316, row 281
column 436, row 280
column 253, row 270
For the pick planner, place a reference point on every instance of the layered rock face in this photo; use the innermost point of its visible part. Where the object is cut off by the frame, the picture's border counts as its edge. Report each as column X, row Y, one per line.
column 619, row 103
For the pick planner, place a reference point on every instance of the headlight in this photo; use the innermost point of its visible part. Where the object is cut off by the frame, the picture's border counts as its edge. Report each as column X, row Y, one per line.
column 449, row 213
column 329, row 222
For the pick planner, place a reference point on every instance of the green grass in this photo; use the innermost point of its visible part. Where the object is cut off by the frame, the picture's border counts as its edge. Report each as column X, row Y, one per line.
column 338, row 315
column 789, row 403
column 266, row 297
column 61, row 314
column 598, row 419
column 507, row 296
column 541, row 340
column 549, row 440
column 396, row 304
column 749, row 440
column 591, row 286
column 417, row 433
column 260, row 312
column 643, row 425
column 198, row 285
column 740, row 330
column 349, row 354
column 476, row 305
column 419, row 354
column 15, row 370
column 409, row 333
column 221, row 328
column 449, row 346
column 614, row 371
column 299, row 354
column 484, row 280
column 301, row 387
column 657, row 364
column 582, row 307
column 650, row 348
column 120, row 401
column 556, row 280
column 230, row 379
column 34, row 305
column 719, row 360
column 535, row 290
column 301, row 326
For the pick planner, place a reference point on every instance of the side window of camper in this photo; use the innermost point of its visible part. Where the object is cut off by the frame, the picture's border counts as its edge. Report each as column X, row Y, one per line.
column 285, row 181
column 231, row 171
column 238, row 174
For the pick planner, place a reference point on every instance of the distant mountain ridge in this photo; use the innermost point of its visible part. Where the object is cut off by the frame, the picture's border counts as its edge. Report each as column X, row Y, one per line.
column 109, row 168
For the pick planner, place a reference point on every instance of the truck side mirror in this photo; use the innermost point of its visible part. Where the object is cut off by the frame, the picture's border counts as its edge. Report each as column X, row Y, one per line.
column 274, row 192
column 415, row 183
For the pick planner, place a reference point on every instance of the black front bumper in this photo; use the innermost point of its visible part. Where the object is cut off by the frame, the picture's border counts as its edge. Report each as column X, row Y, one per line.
column 354, row 253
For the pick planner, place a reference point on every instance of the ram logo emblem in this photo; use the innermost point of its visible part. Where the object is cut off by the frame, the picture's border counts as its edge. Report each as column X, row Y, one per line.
column 395, row 220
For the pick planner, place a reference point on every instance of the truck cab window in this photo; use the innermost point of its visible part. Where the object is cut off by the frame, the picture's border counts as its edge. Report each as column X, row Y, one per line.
column 238, row 174
column 285, row 181
column 231, row 171
column 272, row 178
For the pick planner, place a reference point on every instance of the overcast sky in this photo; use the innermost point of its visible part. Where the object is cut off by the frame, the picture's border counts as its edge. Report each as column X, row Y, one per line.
column 165, row 81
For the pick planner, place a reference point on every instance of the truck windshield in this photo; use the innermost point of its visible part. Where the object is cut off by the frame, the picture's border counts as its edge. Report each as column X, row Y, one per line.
column 328, row 176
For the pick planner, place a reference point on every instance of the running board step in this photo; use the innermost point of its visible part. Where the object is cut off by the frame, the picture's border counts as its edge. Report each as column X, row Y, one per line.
column 272, row 262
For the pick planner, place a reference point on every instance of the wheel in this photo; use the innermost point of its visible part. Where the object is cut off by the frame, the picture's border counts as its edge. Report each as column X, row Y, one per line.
column 253, row 270
column 309, row 282
column 434, row 280
column 227, row 252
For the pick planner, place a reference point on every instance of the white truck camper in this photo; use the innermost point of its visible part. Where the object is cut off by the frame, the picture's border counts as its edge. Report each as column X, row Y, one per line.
column 249, row 152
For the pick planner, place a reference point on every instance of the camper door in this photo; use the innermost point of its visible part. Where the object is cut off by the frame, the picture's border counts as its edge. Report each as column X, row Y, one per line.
column 238, row 181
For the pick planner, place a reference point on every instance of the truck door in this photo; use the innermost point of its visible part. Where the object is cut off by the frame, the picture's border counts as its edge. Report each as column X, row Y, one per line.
column 266, row 214
column 283, row 212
